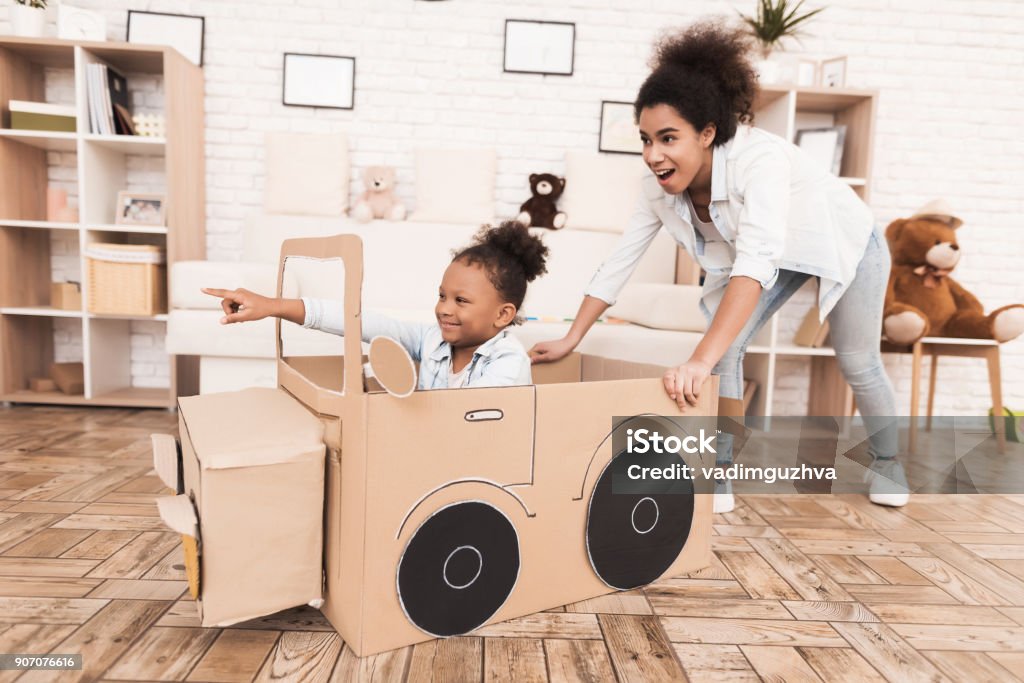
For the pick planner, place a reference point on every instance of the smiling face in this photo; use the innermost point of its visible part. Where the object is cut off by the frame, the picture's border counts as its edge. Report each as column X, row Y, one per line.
column 677, row 153
column 469, row 308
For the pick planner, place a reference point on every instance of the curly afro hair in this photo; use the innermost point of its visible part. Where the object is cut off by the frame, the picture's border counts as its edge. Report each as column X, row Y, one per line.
column 512, row 258
column 704, row 74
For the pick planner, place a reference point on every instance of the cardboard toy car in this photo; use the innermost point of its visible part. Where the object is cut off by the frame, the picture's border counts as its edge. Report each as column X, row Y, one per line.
column 439, row 511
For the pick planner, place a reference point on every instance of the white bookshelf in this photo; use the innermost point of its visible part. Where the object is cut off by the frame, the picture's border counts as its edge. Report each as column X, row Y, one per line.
column 27, row 319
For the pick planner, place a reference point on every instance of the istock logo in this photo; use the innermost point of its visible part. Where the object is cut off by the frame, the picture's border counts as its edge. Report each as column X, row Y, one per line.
column 645, row 441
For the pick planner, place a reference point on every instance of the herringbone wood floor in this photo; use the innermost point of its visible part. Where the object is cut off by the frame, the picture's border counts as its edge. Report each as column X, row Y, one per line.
column 801, row 588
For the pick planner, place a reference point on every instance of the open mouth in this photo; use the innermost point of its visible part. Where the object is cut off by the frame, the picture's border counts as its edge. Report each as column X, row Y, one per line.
column 665, row 174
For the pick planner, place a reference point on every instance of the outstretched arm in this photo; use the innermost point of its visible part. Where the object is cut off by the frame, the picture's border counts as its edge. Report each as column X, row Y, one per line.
column 241, row 305
column 556, row 349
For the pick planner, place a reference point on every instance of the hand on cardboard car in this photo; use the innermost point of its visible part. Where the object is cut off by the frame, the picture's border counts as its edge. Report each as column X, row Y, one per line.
column 241, row 305
column 550, row 351
column 683, row 383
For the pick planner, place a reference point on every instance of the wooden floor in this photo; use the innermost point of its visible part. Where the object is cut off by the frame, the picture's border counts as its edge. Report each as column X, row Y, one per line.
column 801, row 588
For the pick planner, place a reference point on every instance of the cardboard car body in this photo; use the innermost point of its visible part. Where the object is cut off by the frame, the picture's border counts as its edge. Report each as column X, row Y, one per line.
column 445, row 510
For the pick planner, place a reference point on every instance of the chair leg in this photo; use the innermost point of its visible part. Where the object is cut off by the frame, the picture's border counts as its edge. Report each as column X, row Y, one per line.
column 931, row 390
column 996, row 386
column 915, row 395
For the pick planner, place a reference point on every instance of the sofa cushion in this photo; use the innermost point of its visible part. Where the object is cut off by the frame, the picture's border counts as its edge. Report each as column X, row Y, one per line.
column 601, row 190
column 575, row 255
column 199, row 333
column 455, row 185
column 621, row 341
column 264, row 233
column 404, row 263
column 188, row 276
column 661, row 306
column 306, row 174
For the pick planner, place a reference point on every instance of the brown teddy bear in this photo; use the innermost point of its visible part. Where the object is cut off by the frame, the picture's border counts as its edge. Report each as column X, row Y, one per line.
column 378, row 201
column 539, row 210
column 922, row 299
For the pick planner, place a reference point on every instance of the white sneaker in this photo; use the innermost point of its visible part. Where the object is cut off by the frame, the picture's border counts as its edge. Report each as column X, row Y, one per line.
column 888, row 483
column 724, row 501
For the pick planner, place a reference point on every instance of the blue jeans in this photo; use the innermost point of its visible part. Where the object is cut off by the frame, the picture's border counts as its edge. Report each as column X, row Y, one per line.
column 856, row 328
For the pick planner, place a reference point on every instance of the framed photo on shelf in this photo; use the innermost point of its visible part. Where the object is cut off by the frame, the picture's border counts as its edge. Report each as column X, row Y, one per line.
column 319, row 81
column 824, row 146
column 832, row 73
column 539, row 47
column 184, row 32
column 807, row 72
column 137, row 208
column 619, row 133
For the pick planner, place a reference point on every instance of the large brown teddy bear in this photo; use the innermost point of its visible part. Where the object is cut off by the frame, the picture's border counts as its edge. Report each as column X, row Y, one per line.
column 922, row 300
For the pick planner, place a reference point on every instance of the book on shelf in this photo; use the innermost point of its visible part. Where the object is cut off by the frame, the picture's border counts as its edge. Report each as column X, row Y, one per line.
column 59, row 118
column 812, row 332
column 108, row 101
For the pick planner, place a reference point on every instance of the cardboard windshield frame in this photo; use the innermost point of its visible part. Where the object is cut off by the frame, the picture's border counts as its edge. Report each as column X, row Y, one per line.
column 484, row 492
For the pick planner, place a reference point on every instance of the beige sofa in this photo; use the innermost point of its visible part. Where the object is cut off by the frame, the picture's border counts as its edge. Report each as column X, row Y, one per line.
column 404, row 261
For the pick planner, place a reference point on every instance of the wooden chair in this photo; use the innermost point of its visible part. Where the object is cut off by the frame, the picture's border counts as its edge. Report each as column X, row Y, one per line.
column 950, row 346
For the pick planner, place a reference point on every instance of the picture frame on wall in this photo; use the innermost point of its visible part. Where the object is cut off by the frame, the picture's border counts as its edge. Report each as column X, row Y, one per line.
column 138, row 208
column 539, row 47
column 326, row 81
column 832, row 73
column 824, row 146
column 184, row 32
column 619, row 133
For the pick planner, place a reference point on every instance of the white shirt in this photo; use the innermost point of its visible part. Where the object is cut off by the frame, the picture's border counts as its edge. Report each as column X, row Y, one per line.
column 457, row 380
column 774, row 208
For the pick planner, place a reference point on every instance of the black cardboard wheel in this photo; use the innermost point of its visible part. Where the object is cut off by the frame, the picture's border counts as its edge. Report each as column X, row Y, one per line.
column 458, row 568
column 634, row 537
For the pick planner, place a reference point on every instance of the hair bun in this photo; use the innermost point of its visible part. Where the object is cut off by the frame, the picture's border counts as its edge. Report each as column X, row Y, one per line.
column 515, row 240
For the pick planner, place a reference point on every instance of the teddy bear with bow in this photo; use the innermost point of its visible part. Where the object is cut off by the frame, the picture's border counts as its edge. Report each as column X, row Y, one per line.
column 540, row 210
column 922, row 299
column 378, row 201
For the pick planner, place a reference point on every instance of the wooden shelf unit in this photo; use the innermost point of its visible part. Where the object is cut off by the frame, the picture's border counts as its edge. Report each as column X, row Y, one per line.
column 785, row 110
column 26, row 317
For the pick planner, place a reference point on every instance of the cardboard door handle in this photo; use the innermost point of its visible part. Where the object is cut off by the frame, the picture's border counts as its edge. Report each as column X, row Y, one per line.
column 484, row 415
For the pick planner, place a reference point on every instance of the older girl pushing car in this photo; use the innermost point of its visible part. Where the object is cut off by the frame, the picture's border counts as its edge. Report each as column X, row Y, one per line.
column 761, row 219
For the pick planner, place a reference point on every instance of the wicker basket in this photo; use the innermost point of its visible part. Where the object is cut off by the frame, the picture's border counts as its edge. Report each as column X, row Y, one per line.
column 127, row 279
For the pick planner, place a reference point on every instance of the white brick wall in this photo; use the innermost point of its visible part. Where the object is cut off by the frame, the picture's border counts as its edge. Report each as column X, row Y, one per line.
column 949, row 72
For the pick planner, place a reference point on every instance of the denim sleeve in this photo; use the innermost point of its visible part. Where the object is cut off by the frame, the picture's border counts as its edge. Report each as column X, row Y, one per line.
column 507, row 368
column 611, row 277
column 761, row 234
column 328, row 315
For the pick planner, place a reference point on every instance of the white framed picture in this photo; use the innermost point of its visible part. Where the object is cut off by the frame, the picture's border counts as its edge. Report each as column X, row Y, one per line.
column 833, row 73
column 807, row 72
column 184, row 32
column 137, row 208
column 539, row 47
column 319, row 81
column 80, row 24
column 824, row 146
column 619, row 132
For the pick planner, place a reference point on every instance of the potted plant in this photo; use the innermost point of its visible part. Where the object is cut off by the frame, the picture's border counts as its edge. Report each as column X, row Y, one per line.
column 775, row 20
column 28, row 18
